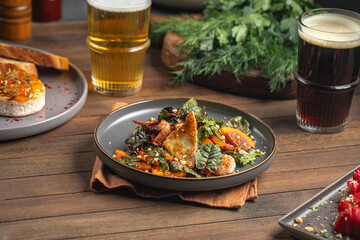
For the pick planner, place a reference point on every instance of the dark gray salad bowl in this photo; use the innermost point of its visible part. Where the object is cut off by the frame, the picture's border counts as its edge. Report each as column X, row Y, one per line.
column 111, row 132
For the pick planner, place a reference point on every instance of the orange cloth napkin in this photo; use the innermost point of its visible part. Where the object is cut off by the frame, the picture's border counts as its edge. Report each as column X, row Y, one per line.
column 104, row 179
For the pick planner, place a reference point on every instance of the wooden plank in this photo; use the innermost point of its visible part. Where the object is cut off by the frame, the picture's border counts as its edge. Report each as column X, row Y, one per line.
column 123, row 215
column 265, row 228
column 291, row 138
column 75, row 126
column 35, row 146
column 91, row 108
column 301, row 179
column 275, row 182
column 58, row 38
column 44, row 185
column 72, row 204
column 99, row 228
column 117, row 225
column 46, row 165
column 314, row 159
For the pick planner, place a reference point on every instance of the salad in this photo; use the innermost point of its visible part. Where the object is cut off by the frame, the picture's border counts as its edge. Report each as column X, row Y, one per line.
column 185, row 142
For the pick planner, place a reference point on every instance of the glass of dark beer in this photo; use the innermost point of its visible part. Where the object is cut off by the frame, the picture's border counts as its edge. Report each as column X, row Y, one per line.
column 328, row 68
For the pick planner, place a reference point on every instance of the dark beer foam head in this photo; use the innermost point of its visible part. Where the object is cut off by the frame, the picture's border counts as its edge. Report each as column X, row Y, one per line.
column 120, row 5
column 331, row 30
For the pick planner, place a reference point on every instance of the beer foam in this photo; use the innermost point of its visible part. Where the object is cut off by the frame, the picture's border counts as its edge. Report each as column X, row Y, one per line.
column 120, row 5
column 331, row 30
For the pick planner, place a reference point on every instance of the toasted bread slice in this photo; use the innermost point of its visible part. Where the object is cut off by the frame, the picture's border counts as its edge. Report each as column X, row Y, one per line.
column 6, row 64
column 21, row 93
column 36, row 57
column 182, row 143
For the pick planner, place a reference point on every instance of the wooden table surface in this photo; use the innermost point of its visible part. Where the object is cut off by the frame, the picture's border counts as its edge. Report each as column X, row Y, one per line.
column 44, row 179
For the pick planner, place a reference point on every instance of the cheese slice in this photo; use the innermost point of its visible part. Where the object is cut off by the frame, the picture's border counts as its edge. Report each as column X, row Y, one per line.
column 21, row 93
column 182, row 142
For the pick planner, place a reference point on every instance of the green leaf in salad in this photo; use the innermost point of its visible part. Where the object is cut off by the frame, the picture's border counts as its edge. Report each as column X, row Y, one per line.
column 192, row 172
column 160, row 154
column 176, row 166
column 138, row 138
column 192, row 106
column 250, row 156
column 163, row 115
column 130, row 159
column 243, row 158
column 170, row 115
column 210, row 127
column 239, row 123
column 127, row 163
column 208, row 157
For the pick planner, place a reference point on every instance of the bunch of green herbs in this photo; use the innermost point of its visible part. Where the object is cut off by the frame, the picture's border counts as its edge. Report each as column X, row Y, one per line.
column 237, row 36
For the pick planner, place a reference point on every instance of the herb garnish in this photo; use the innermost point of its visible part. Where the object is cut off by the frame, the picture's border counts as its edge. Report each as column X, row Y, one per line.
column 208, row 157
column 238, row 36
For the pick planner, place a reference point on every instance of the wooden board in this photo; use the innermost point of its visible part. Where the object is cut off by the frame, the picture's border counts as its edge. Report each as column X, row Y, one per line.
column 254, row 84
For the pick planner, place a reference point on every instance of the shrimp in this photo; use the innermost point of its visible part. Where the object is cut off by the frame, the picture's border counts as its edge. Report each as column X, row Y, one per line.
column 165, row 129
column 228, row 166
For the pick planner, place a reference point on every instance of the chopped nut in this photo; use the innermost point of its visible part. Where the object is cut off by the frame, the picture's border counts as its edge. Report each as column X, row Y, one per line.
column 298, row 220
column 27, row 78
column 318, row 230
column 339, row 235
column 309, row 229
column 14, row 94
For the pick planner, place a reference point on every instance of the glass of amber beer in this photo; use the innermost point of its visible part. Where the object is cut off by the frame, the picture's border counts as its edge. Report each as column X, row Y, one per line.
column 328, row 68
column 118, row 40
